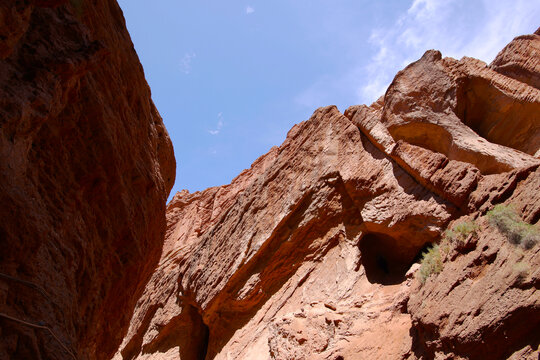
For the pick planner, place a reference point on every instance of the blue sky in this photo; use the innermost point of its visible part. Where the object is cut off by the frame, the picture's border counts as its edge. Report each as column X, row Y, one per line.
column 230, row 78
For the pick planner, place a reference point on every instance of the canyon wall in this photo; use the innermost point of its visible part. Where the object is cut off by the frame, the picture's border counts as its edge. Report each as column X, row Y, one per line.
column 313, row 252
column 86, row 167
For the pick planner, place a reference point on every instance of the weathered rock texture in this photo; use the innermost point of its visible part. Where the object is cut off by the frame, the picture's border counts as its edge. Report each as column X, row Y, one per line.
column 86, row 166
column 309, row 253
column 485, row 304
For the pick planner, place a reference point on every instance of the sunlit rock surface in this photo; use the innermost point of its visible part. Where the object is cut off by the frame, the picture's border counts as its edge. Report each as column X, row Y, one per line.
column 311, row 253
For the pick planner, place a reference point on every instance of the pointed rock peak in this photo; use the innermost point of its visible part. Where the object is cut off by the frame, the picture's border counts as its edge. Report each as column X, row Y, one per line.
column 432, row 55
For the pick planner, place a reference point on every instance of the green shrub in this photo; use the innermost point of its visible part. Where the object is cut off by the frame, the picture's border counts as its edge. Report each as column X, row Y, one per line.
column 461, row 231
column 431, row 263
column 530, row 236
column 508, row 222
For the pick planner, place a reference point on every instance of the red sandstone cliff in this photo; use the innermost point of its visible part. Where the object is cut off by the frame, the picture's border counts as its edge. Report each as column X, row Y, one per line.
column 86, row 166
column 311, row 253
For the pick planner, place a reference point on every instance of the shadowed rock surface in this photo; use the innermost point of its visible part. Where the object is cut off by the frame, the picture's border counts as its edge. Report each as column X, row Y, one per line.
column 311, row 253
column 86, row 167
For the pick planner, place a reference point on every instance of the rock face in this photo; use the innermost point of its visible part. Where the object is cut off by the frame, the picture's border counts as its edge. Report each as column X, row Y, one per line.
column 86, row 167
column 482, row 305
column 310, row 253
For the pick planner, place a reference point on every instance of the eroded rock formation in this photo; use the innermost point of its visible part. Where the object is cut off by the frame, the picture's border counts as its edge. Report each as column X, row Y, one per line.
column 86, row 166
column 310, row 253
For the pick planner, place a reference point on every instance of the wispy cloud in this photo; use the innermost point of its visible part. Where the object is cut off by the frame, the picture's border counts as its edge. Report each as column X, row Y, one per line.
column 219, row 125
column 249, row 10
column 455, row 27
column 185, row 62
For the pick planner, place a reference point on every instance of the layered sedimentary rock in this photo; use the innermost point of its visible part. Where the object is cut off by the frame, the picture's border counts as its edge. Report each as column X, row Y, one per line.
column 86, row 166
column 311, row 253
column 519, row 60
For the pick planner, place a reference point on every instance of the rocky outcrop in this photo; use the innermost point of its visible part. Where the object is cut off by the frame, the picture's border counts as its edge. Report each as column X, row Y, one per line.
column 85, row 173
column 311, row 253
column 520, row 60
column 485, row 303
column 303, row 204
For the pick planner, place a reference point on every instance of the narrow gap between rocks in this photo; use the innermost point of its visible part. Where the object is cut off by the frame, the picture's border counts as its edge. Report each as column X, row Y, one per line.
column 186, row 336
column 195, row 342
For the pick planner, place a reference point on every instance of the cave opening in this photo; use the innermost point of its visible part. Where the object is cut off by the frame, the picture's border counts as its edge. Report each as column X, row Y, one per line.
column 384, row 261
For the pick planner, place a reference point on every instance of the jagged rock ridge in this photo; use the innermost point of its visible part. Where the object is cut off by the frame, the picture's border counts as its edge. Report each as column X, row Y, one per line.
column 310, row 253
column 86, row 167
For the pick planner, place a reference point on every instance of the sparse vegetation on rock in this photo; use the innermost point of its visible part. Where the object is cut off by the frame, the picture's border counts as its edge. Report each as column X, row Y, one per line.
column 431, row 263
column 461, row 231
column 522, row 269
column 508, row 222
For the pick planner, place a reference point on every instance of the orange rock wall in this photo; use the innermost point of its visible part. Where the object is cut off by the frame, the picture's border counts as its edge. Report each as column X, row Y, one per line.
column 312, row 252
column 86, row 166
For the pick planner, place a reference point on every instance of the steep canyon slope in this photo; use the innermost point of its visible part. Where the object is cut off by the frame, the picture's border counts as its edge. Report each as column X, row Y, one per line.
column 312, row 252
column 86, row 167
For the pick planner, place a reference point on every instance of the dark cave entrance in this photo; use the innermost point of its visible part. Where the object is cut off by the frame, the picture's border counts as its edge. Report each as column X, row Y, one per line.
column 385, row 262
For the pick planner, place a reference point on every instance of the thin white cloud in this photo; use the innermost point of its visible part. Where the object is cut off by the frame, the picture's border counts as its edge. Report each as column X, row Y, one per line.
column 455, row 27
column 249, row 10
column 185, row 62
column 219, row 125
